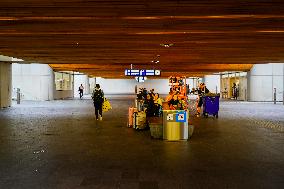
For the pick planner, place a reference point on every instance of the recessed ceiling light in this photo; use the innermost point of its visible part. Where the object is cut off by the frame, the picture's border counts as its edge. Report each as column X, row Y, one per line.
column 167, row 45
column 155, row 61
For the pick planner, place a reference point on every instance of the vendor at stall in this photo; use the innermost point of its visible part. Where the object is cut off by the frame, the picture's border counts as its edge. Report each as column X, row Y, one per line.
column 152, row 93
column 158, row 103
column 175, row 103
column 149, row 105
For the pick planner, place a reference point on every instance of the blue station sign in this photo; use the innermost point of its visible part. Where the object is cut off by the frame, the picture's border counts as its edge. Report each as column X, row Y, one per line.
column 142, row 73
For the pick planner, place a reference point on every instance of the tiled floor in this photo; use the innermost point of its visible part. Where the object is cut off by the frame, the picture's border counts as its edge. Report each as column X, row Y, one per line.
column 59, row 144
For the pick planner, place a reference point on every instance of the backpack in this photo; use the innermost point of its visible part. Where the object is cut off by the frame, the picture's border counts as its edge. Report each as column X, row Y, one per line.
column 98, row 96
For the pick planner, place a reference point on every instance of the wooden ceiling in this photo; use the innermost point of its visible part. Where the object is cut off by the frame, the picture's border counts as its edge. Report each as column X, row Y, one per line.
column 103, row 37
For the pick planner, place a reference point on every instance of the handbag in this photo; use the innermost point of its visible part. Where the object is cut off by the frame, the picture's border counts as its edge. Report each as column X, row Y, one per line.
column 106, row 105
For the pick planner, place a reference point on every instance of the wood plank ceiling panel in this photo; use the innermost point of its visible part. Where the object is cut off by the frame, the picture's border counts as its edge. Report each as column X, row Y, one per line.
column 103, row 37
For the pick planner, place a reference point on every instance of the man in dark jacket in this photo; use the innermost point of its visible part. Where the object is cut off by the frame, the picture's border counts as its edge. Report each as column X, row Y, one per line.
column 201, row 92
column 81, row 91
column 98, row 99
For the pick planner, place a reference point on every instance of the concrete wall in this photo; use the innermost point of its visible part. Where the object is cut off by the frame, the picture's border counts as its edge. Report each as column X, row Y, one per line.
column 213, row 83
column 127, row 86
column 193, row 82
column 6, row 58
column 262, row 79
column 5, row 85
column 36, row 81
column 161, row 86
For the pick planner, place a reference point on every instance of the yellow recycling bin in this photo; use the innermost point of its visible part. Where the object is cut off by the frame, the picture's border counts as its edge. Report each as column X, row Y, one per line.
column 175, row 125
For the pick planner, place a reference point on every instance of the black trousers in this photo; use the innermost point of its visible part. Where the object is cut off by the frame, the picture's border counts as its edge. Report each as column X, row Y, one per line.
column 200, row 102
column 81, row 93
column 98, row 110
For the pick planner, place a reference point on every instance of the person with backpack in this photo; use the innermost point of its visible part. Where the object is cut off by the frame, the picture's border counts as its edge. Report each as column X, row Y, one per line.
column 81, row 91
column 98, row 99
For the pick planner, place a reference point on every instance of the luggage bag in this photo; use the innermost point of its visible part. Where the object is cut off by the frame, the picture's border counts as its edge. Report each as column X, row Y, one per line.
column 139, row 120
column 131, row 111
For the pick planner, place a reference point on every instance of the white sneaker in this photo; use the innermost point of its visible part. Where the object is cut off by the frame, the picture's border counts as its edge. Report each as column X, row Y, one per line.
column 101, row 118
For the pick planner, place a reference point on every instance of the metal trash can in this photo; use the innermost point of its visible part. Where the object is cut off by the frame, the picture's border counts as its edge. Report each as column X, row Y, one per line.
column 175, row 125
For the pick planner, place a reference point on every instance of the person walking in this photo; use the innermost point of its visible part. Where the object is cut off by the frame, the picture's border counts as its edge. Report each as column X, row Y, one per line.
column 81, row 91
column 98, row 99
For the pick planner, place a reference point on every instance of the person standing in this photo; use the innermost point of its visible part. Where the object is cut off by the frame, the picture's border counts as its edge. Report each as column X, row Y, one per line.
column 158, row 102
column 235, row 91
column 201, row 92
column 136, row 89
column 98, row 99
column 176, row 103
column 152, row 93
column 81, row 91
column 149, row 105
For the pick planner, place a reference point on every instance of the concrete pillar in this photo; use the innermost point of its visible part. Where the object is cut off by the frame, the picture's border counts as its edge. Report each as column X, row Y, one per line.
column 283, row 84
column 249, row 87
column 52, row 85
column 87, row 85
column 73, row 85
column 5, row 85
column 92, row 84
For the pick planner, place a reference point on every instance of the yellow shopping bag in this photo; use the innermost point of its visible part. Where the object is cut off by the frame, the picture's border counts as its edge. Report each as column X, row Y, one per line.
column 106, row 105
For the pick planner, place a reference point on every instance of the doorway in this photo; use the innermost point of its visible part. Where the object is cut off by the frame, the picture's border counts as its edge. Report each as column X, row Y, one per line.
column 228, row 80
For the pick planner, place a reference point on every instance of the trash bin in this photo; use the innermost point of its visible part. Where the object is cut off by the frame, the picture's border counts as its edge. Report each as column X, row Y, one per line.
column 175, row 125
column 211, row 105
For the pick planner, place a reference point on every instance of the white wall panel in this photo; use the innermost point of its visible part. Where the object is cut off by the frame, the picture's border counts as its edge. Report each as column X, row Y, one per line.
column 127, row 86
column 212, row 82
column 261, row 69
column 277, row 69
column 261, row 88
column 263, row 79
column 278, row 84
column 36, row 81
